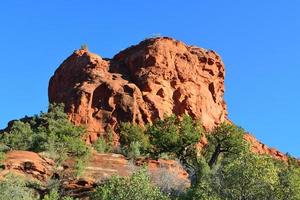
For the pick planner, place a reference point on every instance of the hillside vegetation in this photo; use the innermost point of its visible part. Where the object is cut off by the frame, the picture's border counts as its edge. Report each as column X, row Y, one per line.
column 224, row 169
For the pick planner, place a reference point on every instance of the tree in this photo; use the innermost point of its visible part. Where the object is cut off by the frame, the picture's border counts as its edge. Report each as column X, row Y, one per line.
column 174, row 136
column 203, row 186
column 247, row 177
column 49, row 132
column 226, row 139
column 289, row 183
column 20, row 136
column 133, row 137
column 135, row 187
column 13, row 187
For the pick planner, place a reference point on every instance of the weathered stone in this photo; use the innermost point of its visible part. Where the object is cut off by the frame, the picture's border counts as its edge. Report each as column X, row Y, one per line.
column 158, row 77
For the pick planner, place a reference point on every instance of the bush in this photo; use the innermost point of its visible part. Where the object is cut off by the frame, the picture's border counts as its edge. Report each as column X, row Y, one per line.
column 249, row 176
column 49, row 132
column 13, row 187
column 289, row 183
column 130, row 133
column 102, row 146
column 133, row 151
column 54, row 195
column 84, row 47
column 172, row 135
column 2, row 156
column 79, row 167
column 135, row 187
column 20, row 136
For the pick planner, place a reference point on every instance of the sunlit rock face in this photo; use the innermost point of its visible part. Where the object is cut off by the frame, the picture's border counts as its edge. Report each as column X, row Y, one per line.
column 157, row 77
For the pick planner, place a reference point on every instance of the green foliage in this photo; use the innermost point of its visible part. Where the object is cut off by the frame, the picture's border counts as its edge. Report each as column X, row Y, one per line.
column 79, row 167
column 133, row 151
column 237, row 173
column 202, row 191
column 102, row 146
column 289, row 183
column 84, row 47
column 49, row 132
column 13, row 187
column 135, row 187
column 2, row 157
column 225, row 140
column 20, row 137
column 249, row 176
column 54, row 195
column 130, row 133
column 172, row 135
column 203, row 187
column 226, row 170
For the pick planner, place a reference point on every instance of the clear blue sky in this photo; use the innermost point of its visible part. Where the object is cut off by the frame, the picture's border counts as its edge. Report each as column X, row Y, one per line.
column 259, row 42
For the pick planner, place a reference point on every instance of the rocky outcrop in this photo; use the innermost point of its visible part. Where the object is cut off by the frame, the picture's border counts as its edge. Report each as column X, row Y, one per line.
column 100, row 167
column 159, row 76
column 28, row 164
column 260, row 148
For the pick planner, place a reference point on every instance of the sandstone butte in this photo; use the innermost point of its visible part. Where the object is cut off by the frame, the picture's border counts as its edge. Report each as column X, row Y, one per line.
column 157, row 77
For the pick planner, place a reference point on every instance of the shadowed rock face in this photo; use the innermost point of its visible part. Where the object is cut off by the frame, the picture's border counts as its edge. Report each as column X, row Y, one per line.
column 159, row 76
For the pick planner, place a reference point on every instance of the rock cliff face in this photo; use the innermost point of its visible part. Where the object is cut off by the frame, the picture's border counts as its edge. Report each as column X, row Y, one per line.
column 157, row 77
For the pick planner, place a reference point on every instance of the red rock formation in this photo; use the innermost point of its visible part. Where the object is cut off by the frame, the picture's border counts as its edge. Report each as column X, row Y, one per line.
column 99, row 168
column 261, row 148
column 29, row 164
column 103, row 166
column 157, row 77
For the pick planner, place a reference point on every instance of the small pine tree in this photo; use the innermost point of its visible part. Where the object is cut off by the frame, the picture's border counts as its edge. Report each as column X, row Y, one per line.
column 84, row 47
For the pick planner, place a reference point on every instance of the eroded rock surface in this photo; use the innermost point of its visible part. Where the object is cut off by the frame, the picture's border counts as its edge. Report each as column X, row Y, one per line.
column 260, row 148
column 159, row 76
column 28, row 164
column 100, row 167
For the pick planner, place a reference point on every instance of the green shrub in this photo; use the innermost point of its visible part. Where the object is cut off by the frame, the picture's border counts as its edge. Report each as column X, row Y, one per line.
column 225, row 140
column 54, row 195
column 130, row 133
column 289, row 188
column 2, row 156
column 20, row 136
column 249, row 176
column 133, row 151
column 102, row 146
column 172, row 135
column 135, row 187
column 13, row 187
column 49, row 132
column 84, row 47
column 79, row 167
